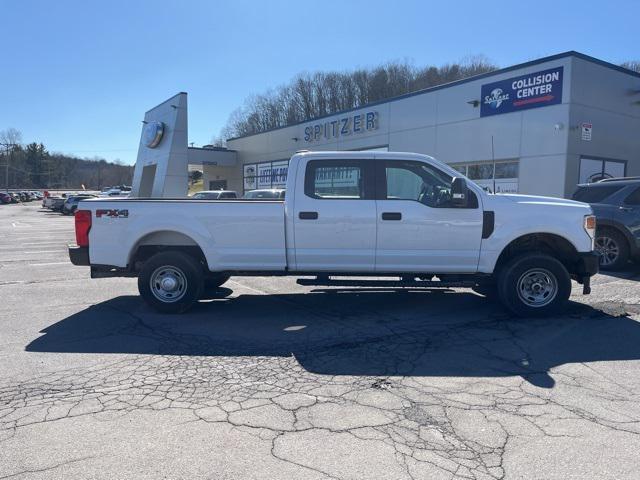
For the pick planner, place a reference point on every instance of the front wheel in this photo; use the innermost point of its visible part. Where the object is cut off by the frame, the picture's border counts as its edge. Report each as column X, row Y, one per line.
column 171, row 282
column 612, row 248
column 534, row 285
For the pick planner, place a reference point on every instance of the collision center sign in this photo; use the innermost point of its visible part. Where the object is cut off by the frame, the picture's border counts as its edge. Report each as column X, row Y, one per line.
column 537, row 89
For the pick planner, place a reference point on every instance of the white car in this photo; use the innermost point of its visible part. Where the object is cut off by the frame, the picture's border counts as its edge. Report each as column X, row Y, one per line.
column 214, row 195
column 348, row 214
column 265, row 194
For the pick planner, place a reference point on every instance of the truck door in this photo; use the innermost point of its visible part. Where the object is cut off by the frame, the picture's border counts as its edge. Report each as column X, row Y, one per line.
column 335, row 217
column 418, row 228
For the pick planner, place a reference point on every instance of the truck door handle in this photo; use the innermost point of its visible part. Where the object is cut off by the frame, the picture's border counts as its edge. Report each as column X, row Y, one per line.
column 392, row 216
column 308, row 215
column 625, row 209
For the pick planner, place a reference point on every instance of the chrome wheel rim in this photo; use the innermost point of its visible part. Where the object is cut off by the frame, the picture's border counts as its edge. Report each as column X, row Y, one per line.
column 608, row 250
column 537, row 287
column 168, row 284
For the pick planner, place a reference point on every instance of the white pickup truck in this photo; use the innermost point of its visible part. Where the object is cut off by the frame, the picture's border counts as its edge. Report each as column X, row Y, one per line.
column 405, row 219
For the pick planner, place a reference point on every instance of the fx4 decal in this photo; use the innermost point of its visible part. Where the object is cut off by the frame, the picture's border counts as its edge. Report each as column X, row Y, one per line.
column 112, row 213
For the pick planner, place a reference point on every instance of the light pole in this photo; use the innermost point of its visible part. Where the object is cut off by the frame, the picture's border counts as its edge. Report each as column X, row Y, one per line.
column 8, row 148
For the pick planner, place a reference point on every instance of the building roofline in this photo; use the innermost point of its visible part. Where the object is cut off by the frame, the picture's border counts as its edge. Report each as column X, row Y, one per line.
column 570, row 53
column 213, row 149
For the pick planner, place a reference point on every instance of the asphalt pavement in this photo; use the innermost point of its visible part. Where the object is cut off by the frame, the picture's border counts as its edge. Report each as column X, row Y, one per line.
column 272, row 380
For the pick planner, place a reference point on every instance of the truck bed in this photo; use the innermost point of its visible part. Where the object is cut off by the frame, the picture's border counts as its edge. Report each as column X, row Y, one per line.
column 233, row 234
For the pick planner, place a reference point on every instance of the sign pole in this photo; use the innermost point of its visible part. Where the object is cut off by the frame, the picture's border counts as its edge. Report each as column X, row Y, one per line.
column 493, row 158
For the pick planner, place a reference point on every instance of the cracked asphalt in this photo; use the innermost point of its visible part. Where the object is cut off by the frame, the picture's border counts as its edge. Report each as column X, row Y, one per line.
column 271, row 380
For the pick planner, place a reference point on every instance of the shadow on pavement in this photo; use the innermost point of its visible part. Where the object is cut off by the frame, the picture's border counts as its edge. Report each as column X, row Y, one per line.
column 432, row 333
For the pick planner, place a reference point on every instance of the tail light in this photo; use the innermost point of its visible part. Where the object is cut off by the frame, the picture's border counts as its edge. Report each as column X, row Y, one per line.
column 83, row 225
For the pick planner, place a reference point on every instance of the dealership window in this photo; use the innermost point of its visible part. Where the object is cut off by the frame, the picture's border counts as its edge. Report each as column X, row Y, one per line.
column 506, row 178
column 595, row 169
column 265, row 175
column 339, row 180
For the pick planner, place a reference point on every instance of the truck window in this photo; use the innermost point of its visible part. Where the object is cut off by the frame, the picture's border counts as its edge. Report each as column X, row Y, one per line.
column 417, row 181
column 335, row 180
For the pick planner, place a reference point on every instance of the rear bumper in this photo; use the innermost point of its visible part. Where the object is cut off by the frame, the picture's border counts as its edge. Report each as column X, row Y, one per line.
column 79, row 255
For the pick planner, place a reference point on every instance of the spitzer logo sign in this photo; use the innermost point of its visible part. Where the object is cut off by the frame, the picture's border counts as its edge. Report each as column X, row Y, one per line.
column 495, row 99
column 537, row 89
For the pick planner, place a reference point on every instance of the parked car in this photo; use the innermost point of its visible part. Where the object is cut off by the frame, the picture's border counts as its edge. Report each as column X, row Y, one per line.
column 419, row 220
column 58, row 202
column 214, row 195
column 70, row 205
column 266, row 194
column 5, row 198
column 15, row 197
column 616, row 204
column 47, row 202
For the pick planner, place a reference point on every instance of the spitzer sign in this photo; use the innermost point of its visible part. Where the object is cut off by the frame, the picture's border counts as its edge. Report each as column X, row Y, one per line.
column 537, row 89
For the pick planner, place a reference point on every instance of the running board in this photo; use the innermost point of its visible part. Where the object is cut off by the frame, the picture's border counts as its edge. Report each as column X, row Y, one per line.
column 328, row 282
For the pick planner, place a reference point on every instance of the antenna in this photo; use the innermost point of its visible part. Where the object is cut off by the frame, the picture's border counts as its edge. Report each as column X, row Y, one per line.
column 493, row 158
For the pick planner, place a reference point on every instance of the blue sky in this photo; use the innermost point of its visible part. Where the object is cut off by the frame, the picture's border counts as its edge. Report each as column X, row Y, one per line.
column 79, row 75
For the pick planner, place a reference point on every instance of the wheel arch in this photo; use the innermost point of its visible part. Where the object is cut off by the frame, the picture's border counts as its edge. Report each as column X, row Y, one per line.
column 163, row 241
column 613, row 225
column 551, row 244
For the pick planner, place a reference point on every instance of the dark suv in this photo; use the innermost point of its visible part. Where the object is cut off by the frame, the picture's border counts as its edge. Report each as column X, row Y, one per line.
column 616, row 203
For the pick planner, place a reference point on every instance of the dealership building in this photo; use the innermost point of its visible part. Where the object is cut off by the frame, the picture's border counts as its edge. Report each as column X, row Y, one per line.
column 547, row 125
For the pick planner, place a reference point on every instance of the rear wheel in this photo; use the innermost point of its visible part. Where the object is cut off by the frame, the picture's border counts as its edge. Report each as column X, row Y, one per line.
column 612, row 248
column 171, row 282
column 534, row 285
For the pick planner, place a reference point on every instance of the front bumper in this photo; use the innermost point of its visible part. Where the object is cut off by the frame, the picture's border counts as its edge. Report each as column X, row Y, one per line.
column 588, row 263
column 79, row 255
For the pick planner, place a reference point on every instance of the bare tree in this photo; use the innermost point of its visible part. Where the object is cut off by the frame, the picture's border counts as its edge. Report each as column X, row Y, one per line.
column 11, row 136
column 632, row 65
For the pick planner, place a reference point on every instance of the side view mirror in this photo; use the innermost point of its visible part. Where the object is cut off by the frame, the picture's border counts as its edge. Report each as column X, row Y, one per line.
column 459, row 192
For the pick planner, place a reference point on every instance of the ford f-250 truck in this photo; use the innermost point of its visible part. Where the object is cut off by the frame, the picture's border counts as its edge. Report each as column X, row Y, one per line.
column 405, row 219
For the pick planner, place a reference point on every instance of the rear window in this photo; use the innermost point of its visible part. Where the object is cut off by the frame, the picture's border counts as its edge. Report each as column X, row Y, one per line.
column 595, row 194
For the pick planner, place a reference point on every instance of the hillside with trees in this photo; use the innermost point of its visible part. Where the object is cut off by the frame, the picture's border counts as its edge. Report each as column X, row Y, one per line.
column 311, row 95
column 32, row 166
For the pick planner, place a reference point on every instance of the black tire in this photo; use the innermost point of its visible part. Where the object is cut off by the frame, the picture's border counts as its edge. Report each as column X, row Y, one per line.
column 170, row 267
column 613, row 249
column 215, row 280
column 212, row 284
column 534, row 285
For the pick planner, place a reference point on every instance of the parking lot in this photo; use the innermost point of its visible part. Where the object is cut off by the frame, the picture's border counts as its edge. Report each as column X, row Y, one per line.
column 273, row 380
